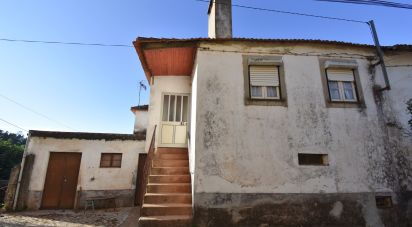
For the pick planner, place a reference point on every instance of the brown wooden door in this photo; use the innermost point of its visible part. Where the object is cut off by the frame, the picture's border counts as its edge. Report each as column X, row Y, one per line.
column 139, row 183
column 61, row 180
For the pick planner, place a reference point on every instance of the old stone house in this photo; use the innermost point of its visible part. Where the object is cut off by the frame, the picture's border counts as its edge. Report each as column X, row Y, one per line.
column 247, row 132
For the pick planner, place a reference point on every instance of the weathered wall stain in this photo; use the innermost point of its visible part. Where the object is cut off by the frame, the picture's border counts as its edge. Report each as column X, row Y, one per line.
column 253, row 149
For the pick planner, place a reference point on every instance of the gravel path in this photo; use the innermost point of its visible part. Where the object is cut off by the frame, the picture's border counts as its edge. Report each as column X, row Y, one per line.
column 109, row 218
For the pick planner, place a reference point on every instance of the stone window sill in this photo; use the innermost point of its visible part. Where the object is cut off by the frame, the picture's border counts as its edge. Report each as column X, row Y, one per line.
column 331, row 104
column 265, row 102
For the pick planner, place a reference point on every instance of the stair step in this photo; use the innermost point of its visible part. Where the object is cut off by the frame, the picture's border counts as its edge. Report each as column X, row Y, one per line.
column 166, row 209
column 169, row 170
column 168, row 220
column 169, row 150
column 169, row 178
column 170, row 163
column 182, row 156
column 157, row 198
column 169, row 188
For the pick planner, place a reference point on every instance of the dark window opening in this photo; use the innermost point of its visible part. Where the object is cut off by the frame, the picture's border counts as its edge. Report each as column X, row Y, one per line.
column 313, row 159
column 383, row 201
column 111, row 160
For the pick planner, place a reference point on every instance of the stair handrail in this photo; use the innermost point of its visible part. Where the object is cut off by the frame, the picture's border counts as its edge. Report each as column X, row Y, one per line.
column 147, row 167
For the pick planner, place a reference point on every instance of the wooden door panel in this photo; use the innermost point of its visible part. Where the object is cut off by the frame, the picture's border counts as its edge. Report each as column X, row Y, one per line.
column 70, row 177
column 139, row 183
column 52, row 185
column 167, row 134
column 61, row 180
column 180, row 134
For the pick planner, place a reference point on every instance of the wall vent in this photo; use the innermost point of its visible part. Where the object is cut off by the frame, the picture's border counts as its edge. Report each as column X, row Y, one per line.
column 313, row 159
column 383, row 201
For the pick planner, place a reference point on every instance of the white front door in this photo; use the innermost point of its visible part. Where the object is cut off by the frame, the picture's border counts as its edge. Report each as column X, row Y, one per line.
column 175, row 111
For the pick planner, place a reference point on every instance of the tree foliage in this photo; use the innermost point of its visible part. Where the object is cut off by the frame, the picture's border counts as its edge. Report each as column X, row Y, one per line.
column 11, row 152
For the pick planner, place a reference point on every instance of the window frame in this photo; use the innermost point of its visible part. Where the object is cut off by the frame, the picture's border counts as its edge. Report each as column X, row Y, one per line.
column 327, row 63
column 342, row 89
column 276, row 61
column 264, row 88
column 111, row 160
column 265, row 94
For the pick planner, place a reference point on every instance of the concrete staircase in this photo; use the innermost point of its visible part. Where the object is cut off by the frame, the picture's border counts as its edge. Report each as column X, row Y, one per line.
column 168, row 198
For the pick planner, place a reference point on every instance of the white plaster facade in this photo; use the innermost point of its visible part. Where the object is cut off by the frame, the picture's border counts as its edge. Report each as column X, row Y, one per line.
column 91, row 176
column 253, row 149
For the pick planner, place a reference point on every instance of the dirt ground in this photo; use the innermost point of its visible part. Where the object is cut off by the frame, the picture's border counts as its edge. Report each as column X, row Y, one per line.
column 120, row 217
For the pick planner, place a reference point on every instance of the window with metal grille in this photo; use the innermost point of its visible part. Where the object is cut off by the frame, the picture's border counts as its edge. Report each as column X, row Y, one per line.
column 111, row 160
column 341, row 85
column 264, row 82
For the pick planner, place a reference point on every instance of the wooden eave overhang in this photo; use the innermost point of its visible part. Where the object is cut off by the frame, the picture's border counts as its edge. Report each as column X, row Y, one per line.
column 165, row 58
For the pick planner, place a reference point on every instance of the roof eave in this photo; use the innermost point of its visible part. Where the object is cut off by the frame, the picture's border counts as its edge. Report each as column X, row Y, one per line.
column 138, row 46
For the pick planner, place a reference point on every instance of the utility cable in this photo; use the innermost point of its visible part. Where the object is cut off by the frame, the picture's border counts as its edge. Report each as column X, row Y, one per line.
column 372, row 3
column 35, row 112
column 65, row 43
column 288, row 12
column 7, row 122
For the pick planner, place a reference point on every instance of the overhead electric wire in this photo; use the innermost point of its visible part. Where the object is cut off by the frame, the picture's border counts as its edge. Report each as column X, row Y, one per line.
column 35, row 112
column 373, row 3
column 7, row 122
column 65, row 43
column 288, row 12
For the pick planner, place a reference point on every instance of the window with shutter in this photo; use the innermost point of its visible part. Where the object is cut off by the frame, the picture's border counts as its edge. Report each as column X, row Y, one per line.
column 111, row 160
column 341, row 85
column 264, row 82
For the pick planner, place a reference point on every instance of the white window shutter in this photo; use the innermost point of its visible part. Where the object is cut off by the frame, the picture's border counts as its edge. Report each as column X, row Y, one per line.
column 340, row 74
column 264, row 75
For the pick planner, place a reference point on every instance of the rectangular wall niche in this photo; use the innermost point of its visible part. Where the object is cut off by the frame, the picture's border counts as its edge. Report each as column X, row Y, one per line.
column 383, row 201
column 313, row 159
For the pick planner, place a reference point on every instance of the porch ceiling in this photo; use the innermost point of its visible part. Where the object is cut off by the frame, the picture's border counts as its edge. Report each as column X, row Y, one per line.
column 166, row 61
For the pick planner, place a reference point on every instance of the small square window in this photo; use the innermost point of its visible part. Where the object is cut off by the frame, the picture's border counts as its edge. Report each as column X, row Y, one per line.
column 111, row 160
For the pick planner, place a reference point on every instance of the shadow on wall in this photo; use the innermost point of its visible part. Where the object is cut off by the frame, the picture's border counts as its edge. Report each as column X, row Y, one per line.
column 3, row 188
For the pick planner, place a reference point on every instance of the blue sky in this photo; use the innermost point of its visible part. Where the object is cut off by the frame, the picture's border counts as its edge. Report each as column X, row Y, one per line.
column 92, row 88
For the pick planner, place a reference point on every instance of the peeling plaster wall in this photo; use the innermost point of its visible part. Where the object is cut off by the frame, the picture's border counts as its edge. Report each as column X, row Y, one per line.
column 393, row 113
column 253, row 149
column 163, row 84
column 91, row 176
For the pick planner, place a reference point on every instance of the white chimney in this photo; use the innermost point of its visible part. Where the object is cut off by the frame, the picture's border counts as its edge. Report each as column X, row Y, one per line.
column 220, row 19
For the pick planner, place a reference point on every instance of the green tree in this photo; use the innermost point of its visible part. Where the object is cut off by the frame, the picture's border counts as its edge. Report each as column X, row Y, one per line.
column 11, row 152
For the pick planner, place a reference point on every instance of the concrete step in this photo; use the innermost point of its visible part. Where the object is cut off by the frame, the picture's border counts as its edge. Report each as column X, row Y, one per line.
column 169, row 188
column 159, row 198
column 169, row 178
column 171, row 150
column 166, row 209
column 169, row 221
column 170, row 163
column 169, row 170
column 182, row 156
